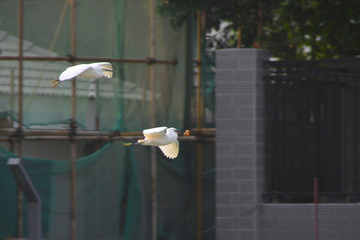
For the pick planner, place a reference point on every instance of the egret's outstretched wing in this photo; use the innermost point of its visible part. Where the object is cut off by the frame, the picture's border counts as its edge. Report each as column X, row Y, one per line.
column 157, row 132
column 73, row 71
column 171, row 150
column 108, row 70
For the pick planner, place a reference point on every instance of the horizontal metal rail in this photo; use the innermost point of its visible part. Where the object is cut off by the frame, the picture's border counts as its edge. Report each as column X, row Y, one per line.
column 97, row 138
column 305, row 194
column 70, row 58
column 11, row 134
column 62, row 132
column 312, row 62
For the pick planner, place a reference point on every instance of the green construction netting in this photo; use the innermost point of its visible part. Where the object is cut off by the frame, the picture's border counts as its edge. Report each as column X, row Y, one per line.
column 113, row 198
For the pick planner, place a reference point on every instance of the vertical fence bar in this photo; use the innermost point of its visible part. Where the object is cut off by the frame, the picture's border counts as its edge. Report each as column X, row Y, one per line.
column 72, row 124
column 200, row 23
column 355, row 151
column 153, row 119
column 20, row 110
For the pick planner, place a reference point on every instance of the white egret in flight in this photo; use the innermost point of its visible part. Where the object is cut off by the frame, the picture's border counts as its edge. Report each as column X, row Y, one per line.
column 162, row 137
column 92, row 70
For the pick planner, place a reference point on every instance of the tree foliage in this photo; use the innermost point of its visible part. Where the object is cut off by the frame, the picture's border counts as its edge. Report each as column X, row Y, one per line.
column 290, row 29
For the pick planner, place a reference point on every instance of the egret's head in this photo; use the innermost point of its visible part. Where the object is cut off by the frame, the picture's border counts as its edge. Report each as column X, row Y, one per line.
column 178, row 132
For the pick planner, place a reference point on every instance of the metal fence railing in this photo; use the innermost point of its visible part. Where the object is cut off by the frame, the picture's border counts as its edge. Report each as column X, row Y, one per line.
column 313, row 130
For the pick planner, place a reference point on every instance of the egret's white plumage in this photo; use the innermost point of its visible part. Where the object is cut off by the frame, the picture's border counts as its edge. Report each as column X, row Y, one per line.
column 92, row 70
column 162, row 137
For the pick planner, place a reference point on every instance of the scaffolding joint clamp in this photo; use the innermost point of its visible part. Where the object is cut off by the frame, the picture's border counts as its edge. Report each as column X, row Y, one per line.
column 175, row 61
column 114, row 134
column 71, row 58
column 199, row 137
column 72, row 133
column 18, row 135
column 198, row 62
column 151, row 60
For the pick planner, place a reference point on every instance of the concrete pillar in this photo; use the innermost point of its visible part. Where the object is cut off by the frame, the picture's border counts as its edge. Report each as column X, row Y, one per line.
column 239, row 142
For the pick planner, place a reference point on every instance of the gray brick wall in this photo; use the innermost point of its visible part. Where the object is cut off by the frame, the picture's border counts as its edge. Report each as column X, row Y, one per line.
column 239, row 142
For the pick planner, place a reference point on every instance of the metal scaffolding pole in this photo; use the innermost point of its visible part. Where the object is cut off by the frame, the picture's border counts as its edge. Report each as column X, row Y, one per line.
column 99, row 138
column 8, row 134
column 153, row 120
column 199, row 29
column 206, row 132
column 20, row 111
column 71, row 58
column 73, row 126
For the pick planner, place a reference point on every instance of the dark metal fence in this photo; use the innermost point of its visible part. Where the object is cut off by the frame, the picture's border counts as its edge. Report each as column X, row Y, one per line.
column 313, row 130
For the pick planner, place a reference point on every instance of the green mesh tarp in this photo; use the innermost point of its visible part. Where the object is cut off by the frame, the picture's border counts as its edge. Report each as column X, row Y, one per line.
column 113, row 197
column 101, row 177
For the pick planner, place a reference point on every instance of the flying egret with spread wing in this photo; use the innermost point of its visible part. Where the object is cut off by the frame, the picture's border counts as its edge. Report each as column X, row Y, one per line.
column 163, row 137
column 92, row 70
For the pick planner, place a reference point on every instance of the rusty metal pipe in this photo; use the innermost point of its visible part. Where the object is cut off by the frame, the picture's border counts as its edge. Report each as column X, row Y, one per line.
column 85, row 59
column 153, row 168
column 60, row 132
column 200, row 27
column 205, row 132
column 97, row 138
column 73, row 144
column 20, row 219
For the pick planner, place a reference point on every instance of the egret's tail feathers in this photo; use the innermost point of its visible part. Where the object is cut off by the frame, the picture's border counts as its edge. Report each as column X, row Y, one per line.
column 56, row 82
